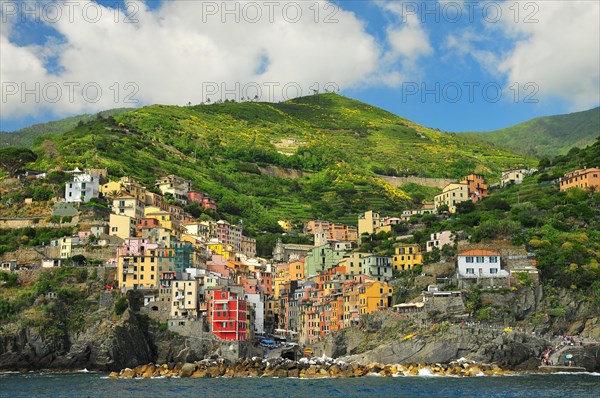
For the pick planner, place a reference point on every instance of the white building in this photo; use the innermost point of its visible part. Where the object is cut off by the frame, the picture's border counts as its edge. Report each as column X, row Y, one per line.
column 259, row 312
column 480, row 264
column 440, row 239
column 514, row 176
column 83, row 188
column 176, row 186
column 184, row 297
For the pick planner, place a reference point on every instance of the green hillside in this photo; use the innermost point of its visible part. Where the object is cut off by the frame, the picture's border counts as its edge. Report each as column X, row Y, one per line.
column 25, row 136
column 337, row 142
column 546, row 136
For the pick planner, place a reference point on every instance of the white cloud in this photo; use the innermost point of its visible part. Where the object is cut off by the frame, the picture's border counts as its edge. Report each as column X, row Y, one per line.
column 560, row 52
column 172, row 52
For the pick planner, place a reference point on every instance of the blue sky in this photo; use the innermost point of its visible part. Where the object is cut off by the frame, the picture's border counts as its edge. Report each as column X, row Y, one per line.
column 452, row 65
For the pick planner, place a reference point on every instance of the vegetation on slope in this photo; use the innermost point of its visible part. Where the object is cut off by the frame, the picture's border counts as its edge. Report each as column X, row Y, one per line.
column 337, row 140
column 25, row 136
column 546, row 136
column 561, row 228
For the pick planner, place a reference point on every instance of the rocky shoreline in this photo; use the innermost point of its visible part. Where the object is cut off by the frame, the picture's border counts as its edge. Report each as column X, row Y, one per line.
column 305, row 368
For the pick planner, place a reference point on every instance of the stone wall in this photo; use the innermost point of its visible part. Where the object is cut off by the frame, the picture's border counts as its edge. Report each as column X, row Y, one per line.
column 33, row 222
column 445, row 304
column 439, row 269
column 30, row 255
column 428, row 182
column 187, row 327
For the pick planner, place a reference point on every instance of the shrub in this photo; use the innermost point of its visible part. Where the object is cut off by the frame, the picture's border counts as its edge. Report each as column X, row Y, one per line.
column 120, row 305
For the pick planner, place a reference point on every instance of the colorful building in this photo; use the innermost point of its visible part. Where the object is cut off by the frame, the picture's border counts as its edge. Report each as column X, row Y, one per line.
column 439, row 240
column 407, row 256
column 585, row 179
column 374, row 296
column 478, row 188
column 451, row 195
column 227, row 315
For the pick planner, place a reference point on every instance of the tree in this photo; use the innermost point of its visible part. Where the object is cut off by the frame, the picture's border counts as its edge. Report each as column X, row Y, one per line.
column 12, row 159
column 443, row 209
column 78, row 260
column 465, row 207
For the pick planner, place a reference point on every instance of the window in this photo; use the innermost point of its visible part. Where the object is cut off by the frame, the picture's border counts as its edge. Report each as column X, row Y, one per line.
column 493, row 259
column 493, row 270
column 469, row 259
column 470, row 271
column 479, row 259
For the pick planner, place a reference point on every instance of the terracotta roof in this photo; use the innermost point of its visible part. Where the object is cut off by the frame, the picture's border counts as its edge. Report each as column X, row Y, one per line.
column 479, row 253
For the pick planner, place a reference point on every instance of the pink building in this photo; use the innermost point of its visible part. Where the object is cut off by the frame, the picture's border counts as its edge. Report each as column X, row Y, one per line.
column 218, row 264
column 136, row 247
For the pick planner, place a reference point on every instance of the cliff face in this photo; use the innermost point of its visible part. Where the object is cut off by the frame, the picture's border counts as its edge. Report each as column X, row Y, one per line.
column 385, row 338
column 514, row 351
column 106, row 345
column 111, row 345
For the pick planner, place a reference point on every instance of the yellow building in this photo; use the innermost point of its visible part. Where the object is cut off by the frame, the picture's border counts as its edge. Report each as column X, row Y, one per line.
column 374, row 296
column 406, row 257
column 451, row 195
column 130, row 206
column 139, row 271
column 368, row 222
column 286, row 225
column 66, row 245
column 122, row 226
column 110, row 188
column 278, row 285
column 296, row 270
column 221, row 249
column 163, row 217
column 184, row 302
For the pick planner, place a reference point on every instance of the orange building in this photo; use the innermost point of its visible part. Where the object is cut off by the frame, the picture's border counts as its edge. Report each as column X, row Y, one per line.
column 584, row 179
column 478, row 188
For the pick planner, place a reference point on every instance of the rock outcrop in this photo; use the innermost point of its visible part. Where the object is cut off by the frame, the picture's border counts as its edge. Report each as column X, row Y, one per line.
column 105, row 345
column 305, row 368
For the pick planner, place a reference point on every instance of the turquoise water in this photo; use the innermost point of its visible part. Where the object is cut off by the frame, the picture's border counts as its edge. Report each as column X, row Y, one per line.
column 71, row 385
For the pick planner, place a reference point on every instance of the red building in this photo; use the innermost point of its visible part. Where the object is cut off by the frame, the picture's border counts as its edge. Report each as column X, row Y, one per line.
column 203, row 199
column 147, row 223
column 478, row 188
column 227, row 315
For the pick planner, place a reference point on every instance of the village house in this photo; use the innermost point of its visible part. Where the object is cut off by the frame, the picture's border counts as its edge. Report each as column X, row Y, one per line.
column 320, row 259
column 377, row 267
column 325, row 232
column 176, row 186
column 122, row 226
column 373, row 296
column 371, row 222
column 407, row 256
column 587, row 179
column 128, row 206
column 452, row 194
column 184, row 297
column 480, row 264
column 82, row 189
column 439, row 240
column 515, row 176
column 227, row 314
column 478, row 188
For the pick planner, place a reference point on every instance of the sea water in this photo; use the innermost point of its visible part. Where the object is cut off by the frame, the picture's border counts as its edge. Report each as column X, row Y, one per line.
column 81, row 384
